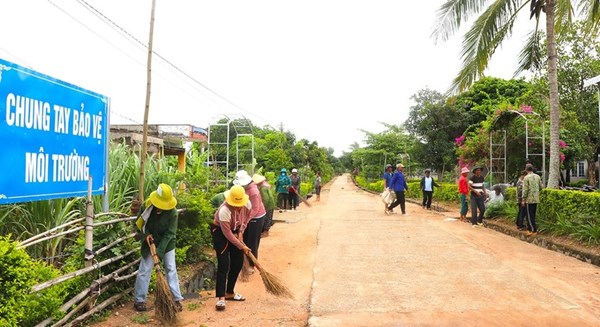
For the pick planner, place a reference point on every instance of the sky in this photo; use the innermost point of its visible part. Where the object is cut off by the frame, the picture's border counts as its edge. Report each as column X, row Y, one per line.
column 324, row 70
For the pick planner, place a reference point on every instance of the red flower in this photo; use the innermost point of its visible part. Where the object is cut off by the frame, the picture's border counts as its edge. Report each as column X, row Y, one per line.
column 562, row 144
column 526, row 109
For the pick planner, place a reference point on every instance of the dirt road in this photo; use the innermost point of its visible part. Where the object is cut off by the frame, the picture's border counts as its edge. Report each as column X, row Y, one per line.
column 349, row 264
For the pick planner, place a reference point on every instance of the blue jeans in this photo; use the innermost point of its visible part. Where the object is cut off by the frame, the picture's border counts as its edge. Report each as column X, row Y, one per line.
column 142, row 280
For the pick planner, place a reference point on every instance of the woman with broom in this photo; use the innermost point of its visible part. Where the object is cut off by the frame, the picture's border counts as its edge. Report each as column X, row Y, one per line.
column 228, row 228
column 256, row 220
column 158, row 218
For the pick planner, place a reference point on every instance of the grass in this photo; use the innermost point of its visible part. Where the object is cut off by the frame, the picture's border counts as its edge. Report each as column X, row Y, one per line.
column 192, row 306
column 141, row 318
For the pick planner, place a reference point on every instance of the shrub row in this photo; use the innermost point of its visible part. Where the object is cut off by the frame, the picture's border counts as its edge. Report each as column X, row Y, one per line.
column 566, row 213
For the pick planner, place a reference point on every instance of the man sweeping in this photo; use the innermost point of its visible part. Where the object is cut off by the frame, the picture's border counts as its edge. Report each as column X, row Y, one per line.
column 159, row 219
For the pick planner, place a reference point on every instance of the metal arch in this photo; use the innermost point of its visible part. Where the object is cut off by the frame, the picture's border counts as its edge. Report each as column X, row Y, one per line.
column 502, row 146
column 220, row 166
column 244, row 128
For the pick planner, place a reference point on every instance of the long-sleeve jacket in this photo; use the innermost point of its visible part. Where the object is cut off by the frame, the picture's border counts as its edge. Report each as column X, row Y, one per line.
column 295, row 182
column 163, row 228
column 433, row 184
column 398, row 183
column 267, row 196
column 387, row 179
column 282, row 183
column 232, row 221
column 532, row 186
column 258, row 208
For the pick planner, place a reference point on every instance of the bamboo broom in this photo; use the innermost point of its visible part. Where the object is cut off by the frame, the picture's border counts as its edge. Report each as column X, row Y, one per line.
column 245, row 275
column 272, row 284
column 294, row 190
column 164, row 303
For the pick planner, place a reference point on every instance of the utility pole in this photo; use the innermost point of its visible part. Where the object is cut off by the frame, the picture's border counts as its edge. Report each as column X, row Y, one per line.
column 146, row 108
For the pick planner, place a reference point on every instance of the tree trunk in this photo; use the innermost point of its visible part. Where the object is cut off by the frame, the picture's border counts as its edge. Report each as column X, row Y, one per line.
column 146, row 108
column 554, row 169
column 591, row 171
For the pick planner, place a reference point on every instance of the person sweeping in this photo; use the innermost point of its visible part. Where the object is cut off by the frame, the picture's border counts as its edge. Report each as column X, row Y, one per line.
column 158, row 218
column 227, row 231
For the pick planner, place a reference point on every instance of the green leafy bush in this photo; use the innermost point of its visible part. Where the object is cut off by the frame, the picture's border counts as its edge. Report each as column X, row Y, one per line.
column 18, row 273
column 445, row 192
column 194, row 223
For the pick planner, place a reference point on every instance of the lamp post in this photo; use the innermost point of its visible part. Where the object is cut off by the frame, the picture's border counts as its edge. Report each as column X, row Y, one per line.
column 590, row 82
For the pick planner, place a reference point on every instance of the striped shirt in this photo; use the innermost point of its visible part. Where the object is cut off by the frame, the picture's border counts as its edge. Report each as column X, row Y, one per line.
column 476, row 183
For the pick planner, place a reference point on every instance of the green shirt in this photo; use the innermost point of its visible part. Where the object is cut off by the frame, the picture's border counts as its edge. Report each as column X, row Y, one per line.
column 163, row 228
column 532, row 186
column 217, row 200
column 268, row 198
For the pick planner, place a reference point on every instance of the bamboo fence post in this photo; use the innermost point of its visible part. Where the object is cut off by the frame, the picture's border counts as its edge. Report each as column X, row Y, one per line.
column 39, row 240
column 89, row 227
column 99, row 307
column 114, row 221
column 113, row 243
column 79, row 272
column 49, row 232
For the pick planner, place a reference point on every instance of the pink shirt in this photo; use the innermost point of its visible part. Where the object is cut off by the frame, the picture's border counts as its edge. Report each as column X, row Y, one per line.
column 258, row 208
column 233, row 220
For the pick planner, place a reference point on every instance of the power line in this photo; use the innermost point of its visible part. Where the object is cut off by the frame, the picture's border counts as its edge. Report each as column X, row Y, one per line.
column 117, row 47
column 109, row 21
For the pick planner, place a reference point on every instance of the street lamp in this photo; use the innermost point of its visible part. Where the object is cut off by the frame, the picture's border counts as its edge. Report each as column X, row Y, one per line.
column 590, row 82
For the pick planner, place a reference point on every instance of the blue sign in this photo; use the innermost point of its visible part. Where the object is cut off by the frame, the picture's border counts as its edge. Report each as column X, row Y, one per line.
column 54, row 137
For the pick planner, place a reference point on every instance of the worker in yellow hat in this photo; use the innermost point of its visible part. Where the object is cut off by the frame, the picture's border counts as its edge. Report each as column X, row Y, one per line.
column 227, row 231
column 158, row 217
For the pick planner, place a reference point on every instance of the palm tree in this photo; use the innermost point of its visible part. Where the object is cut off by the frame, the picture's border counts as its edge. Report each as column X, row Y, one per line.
column 495, row 24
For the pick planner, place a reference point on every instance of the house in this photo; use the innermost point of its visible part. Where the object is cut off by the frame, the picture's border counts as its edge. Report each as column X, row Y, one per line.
column 164, row 140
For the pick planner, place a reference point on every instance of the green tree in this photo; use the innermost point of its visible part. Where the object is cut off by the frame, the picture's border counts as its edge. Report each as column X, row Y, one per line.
column 436, row 125
column 494, row 24
column 382, row 148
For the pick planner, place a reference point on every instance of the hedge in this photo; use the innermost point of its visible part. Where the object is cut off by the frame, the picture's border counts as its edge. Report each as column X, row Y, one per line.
column 560, row 212
column 18, row 273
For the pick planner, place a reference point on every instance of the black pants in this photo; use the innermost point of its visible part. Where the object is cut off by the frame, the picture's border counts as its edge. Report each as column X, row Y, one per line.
column 477, row 202
column 268, row 221
column 282, row 201
column 427, row 197
column 252, row 235
column 521, row 216
column 531, row 209
column 293, row 200
column 399, row 201
column 229, row 262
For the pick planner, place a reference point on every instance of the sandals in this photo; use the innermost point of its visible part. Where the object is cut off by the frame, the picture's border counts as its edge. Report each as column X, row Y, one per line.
column 237, row 297
column 220, row 306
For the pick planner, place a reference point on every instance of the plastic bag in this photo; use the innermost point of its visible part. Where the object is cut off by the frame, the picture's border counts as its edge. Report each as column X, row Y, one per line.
column 387, row 196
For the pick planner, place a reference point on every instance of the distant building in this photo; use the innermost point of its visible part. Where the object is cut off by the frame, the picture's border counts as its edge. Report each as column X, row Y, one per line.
column 164, row 140
column 579, row 171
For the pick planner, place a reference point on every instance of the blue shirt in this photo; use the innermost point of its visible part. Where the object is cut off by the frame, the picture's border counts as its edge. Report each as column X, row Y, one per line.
column 398, row 183
column 388, row 179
